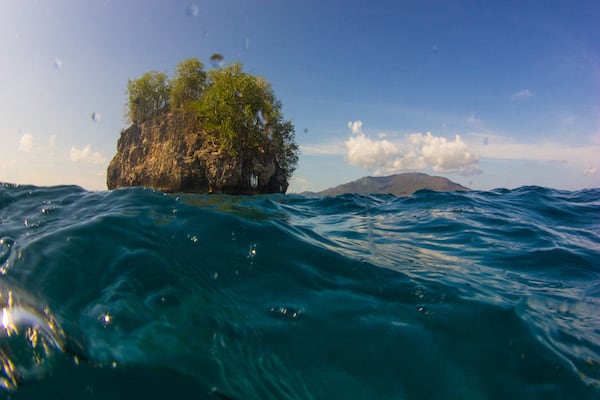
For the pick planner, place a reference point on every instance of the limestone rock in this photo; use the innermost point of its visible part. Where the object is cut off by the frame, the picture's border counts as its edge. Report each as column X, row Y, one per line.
column 174, row 154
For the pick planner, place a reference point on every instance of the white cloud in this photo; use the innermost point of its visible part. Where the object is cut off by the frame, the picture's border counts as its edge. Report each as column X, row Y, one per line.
column 445, row 156
column 355, row 126
column 522, row 94
column 473, row 120
column 26, row 143
column 323, row 149
column 86, row 155
column 415, row 152
column 590, row 171
column 371, row 154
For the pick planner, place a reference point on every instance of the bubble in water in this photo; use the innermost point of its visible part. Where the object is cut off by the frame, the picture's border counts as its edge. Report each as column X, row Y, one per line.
column 423, row 310
column 217, row 60
column 106, row 319
column 252, row 252
column 285, row 313
column 96, row 117
column 192, row 10
column 58, row 63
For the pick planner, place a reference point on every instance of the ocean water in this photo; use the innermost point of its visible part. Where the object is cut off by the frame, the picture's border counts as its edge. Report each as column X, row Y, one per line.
column 137, row 294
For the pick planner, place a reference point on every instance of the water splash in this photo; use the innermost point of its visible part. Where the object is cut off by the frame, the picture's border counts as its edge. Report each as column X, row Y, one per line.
column 30, row 338
column 6, row 249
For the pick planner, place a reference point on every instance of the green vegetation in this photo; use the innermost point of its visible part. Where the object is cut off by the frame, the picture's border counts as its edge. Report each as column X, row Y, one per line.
column 189, row 83
column 148, row 96
column 239, row 111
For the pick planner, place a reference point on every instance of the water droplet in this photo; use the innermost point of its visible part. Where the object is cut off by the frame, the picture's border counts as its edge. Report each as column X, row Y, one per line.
column 252, row 252
column 96, row 117
column 217, row 60
column 253, row 181
column 285, row 313
column 423, row 310
column 106, row 319
column 6, row 245
column 564, row 307
column 58, row 63
column 260, row 117
column 192, row 10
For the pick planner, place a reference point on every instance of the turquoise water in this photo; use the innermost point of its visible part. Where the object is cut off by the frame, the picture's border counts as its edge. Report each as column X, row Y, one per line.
column 137, row 294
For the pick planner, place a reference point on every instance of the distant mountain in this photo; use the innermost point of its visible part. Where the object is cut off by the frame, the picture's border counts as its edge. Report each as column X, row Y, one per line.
column 399, row 185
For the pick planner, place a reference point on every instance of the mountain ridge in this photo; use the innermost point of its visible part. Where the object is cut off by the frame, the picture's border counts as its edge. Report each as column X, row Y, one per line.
column 403, row 184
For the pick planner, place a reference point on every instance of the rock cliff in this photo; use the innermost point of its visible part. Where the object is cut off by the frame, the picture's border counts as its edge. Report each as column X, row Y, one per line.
column 173, row 153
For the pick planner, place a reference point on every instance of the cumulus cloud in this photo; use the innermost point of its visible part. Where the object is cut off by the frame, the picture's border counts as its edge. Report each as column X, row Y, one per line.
column 26, row 143
column 86, row 155
column 447, row 156
column 415, row 152
column 522, row 94
column 355, row 126
column 590, row 171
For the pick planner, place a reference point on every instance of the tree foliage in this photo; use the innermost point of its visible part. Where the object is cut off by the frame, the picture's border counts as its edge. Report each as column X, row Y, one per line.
column 188, row 84
column 148, row 96
column 239, row 111
column 244, row 116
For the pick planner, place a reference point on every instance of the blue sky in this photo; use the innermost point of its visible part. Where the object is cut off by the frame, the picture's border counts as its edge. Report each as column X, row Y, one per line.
column 489, row 94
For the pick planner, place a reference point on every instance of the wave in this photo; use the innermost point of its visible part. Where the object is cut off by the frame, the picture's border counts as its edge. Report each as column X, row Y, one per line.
column 464, row 294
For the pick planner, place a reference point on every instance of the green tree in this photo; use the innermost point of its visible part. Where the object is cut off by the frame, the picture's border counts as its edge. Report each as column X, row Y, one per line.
column 189, row 82
column 242, row 114
column 148, row 96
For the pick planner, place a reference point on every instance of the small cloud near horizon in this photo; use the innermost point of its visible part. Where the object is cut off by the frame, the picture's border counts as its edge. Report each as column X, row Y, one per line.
column 86, row 155
column 522, row 94
column 26, row 143
column 592, row 170
column 415, row 152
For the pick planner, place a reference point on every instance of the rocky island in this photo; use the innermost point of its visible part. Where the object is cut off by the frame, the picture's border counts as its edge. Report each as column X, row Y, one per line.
column 399, row 184
column 216, row 132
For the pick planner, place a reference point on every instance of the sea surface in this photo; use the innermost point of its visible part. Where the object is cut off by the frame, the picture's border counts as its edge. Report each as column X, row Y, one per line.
column 137, row 294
